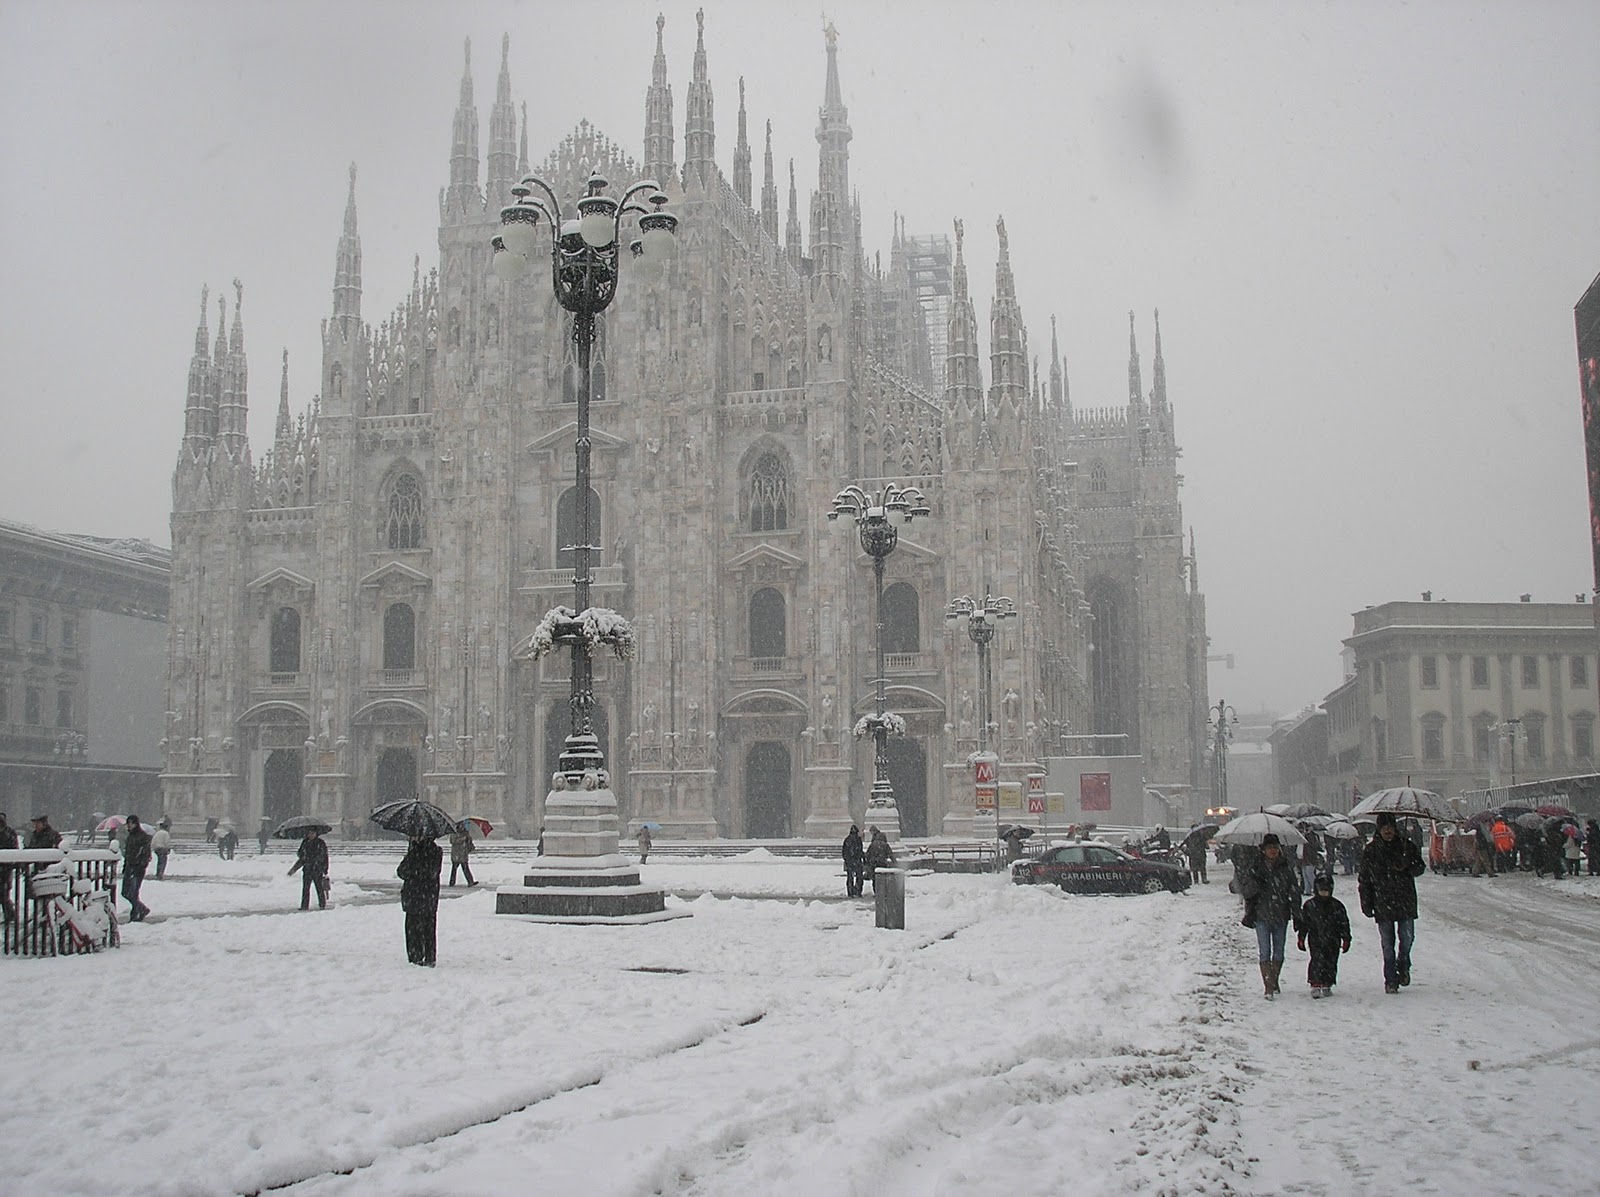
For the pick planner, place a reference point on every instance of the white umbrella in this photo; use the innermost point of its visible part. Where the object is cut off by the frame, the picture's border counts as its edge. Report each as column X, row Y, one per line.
column 1277, row 808
column 1248, row 829
column 1406, row 802
column 1341, row 830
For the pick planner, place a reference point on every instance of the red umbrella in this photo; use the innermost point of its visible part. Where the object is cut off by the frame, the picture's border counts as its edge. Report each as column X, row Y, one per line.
column 1554, row 811
column 478, row 826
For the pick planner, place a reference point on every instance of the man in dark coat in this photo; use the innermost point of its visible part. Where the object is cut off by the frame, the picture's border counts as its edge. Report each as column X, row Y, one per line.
column 43, row 835
column 419, row 898
column 1270, row 886
column 135, row 860
column 1387, row 884
column 311, row 862
column 8, row 842
column 1195, row 848
column 855, row 863
column 879, row 855
column 1323, row 921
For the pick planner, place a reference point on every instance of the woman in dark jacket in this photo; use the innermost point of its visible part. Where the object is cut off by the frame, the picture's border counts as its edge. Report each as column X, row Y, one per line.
column 879, row 855
column 419, row 898
column 1271, row 889
column 1387, row 884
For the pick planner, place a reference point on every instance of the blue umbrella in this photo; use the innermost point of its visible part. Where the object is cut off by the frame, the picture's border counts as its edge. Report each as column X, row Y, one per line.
column 650, row 826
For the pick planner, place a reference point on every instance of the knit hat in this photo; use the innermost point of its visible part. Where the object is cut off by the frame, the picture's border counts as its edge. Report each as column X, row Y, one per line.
column 1386, row 819
column 1270, row 840
column 1323, row 884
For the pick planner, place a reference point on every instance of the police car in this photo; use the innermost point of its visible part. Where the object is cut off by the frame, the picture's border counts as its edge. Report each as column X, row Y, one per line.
column 1087, row 867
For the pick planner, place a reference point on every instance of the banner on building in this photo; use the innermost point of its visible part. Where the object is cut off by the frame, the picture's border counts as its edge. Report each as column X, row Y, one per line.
column 1094, row 791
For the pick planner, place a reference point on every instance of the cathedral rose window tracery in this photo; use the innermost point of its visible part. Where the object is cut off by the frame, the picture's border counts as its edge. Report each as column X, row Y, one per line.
column 770, row 498
column 402, row 523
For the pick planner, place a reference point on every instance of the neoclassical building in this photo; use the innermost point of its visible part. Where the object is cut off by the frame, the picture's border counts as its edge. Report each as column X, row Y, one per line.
column 347, row 608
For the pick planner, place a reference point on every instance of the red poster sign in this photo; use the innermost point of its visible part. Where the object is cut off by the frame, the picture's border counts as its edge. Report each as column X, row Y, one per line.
column 1036, row 784
column 1094, row 791
column 986, row 797
column 1036, row 804
column 986, row 770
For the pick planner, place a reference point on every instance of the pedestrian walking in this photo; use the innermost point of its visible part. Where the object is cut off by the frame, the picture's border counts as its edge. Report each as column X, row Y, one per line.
column 135, row 860
column 211, row 828
column 855, row 862
column 1591, row 845
column 1505, row 845
column 1571, row 852
column 263, row 834
column 645, row 844
column 1270, row 886
column 1194, row 847
column 42, row 835
column 227, row 842
column 419, row 898
column 1323, row 923
column 8, row 842
column 161, row 845
column 1310, row 861
column 879, row 855
column 460, row 850
column 311, row 862
column 1387, row 886
column 1554, row 845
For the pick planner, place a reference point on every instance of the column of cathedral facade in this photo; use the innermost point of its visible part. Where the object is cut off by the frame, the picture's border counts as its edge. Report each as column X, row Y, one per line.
column 347, row 617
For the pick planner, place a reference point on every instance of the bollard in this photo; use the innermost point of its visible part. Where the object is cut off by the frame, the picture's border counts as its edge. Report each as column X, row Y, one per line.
column 889, row 896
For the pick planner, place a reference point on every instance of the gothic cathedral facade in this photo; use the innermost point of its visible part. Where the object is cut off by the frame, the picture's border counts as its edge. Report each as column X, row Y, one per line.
column 347, row 610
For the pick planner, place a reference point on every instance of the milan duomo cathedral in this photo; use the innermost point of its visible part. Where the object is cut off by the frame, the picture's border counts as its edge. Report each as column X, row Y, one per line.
column 350, row 608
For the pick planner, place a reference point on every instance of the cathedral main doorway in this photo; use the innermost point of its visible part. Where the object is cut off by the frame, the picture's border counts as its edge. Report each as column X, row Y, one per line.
column 281, row 784
column 397, row 775
column 767, row 779
column 908, row 774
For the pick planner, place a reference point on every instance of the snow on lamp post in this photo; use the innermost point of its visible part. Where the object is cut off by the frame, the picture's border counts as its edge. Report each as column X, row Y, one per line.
column 1220, row 722
column 878, row 518
column 983, row 620
column 71, row 747
column 582, row 877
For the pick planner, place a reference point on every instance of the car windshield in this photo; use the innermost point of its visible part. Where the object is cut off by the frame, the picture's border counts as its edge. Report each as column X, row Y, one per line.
column 1070, row 855
column 1100, row 855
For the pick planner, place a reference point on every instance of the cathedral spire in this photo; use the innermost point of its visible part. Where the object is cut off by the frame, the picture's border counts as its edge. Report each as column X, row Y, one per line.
column 963, row 389
column 658, row 160
column 522, row 145
column 284, row 432
column 1159, row 396
column 769, row 192
column 699, row 135
column 502, row 133
column 347, row 267
column 741, row 154
column 234, row 409
column 791, row 228
column 833, row 131
column 1008, row 339
column 1194, row 565
column 197, row 430
column 1057, row 378
column 1135, row 385
column 463, row 196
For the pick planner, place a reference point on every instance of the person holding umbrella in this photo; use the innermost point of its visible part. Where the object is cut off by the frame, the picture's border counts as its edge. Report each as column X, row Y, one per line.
column 460, row 851
column 311, row 862
column 419, row 897
column 1387, row 885
column 1194, row 847
column 1270, row 886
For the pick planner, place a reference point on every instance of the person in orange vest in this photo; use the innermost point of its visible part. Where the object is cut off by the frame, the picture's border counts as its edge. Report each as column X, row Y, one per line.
column 1505, row 840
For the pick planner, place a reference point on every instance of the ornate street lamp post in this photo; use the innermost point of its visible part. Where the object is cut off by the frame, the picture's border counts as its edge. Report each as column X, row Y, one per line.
column 983, row 620
column 71, row 747
column 582, row 877
column 1220, row 722
column 878, row 518
column 1511, row 731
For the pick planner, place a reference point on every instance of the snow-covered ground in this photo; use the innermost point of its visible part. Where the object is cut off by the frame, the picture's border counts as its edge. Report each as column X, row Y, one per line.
column 1010, row 1041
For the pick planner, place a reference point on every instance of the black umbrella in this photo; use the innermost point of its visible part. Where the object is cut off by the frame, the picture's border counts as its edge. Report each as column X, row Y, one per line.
column 298, row 827
column 1529, row 820
column 413, row 817
column 1021, row 833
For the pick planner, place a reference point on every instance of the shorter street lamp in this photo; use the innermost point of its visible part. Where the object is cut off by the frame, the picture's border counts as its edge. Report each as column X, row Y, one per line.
column 878, row 517
column 1220, row 722
column 71, row 747
column 983, row 619
column 1511, row 732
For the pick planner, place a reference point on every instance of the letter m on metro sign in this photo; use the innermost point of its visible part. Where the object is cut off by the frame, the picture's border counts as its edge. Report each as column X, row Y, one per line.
column 1094, row 791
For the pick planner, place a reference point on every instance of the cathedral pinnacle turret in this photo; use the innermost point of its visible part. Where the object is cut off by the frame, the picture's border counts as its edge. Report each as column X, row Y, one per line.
column 741, row 154
column 502, row 133
column 791, row 228
column 699, row 135
column 463, row 196
column 347, row 268
column 769, row 192
column 1060, row 396
column 283, row 433
column 522, row 145
column 1135, row 384
column 1159, row 394
column 198, row 428
column 658, row 152
column 963, row 384
column 1008, row 338
column 234, row 407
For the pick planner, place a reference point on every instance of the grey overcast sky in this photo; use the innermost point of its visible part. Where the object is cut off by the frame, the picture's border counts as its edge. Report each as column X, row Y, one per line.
column 1365, row 226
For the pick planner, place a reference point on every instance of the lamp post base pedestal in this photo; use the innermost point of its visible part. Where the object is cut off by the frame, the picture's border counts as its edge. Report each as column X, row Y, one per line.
column 885, row 818
column 584, row 878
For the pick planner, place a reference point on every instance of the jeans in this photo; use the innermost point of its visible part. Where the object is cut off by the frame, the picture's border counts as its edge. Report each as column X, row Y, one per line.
column 1269, row 939
column 161, row 864
column 307, row 884
column 1396, row 962
column 131, row 884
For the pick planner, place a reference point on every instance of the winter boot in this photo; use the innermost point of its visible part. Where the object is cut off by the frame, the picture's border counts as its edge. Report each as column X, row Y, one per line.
column 1277, row 968
column 1266, row 981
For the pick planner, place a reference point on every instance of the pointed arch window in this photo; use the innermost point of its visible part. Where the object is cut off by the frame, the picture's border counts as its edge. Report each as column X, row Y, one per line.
column 770, row 498
column 567, row 527
column 902, row 619
column 768, row 624
column 402, row 514
column 399, row 637
column 285, row 647
column 1097, row 477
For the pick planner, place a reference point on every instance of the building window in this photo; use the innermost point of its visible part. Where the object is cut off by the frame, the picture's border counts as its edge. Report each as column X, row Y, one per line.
column 1579, row 667
column 285, row 648
column 768, row 631
column 1530, row 673
column 1380, row 740
column 1430, row 673
column 902, row 619
column 1097, row 476
column 402, row 518
column 33, row 706
column 769, row 500
column 69, row 633
column 1433, row 742
column 1483, row 741
column 1480, row 673
column 1377, row 677
column 1535, row 739
column 39, row 627
column 399, row 637
column 63, row 708
column 1582, row 738
column 567, row 526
